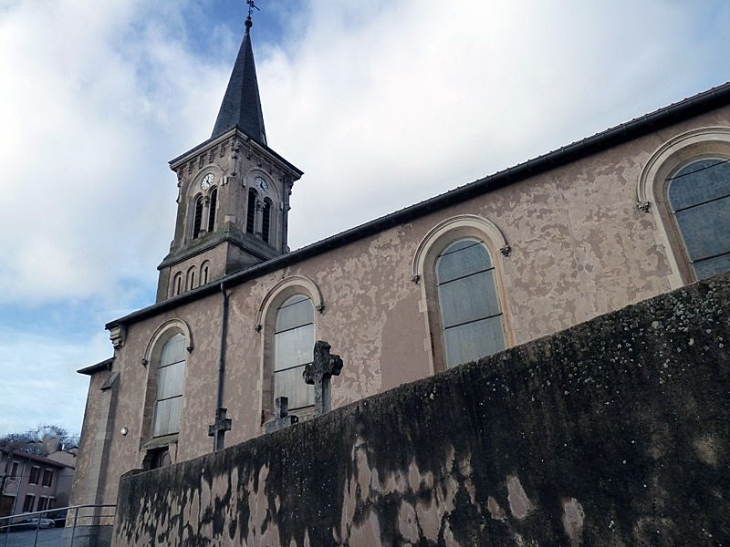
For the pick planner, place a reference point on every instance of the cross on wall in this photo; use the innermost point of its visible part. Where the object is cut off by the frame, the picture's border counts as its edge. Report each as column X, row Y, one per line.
column 319, row 372
column 281, row 416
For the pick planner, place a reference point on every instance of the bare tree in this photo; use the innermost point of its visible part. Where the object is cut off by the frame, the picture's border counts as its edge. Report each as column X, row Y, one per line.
column 42, row 441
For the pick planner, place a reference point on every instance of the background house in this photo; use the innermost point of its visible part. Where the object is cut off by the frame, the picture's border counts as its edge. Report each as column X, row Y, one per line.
column 34, row 483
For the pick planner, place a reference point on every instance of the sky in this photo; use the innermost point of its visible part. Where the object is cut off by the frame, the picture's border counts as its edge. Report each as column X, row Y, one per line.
column 381, row 103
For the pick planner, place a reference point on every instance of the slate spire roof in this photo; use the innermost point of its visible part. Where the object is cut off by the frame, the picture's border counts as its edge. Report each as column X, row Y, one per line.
column 241, row 104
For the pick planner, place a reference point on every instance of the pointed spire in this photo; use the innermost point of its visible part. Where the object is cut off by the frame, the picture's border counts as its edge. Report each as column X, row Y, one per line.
column 241, row 104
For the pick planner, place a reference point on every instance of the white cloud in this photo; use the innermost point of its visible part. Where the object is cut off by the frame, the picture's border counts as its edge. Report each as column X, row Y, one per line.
column 419, row 97
column 83, row 107
column 40, row 384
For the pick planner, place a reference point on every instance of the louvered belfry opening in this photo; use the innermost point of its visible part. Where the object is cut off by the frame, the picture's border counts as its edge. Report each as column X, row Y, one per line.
column 251, row 213
column 198, row 217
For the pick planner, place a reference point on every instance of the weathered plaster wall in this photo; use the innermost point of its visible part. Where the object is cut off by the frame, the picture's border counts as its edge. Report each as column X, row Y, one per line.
column 91, row 473
column 580, row 248
column 614, row 432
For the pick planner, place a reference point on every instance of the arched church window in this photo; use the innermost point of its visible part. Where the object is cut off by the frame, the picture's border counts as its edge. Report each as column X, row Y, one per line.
column 170, row 382
column 213, row 205
column 699, row 197
column 266, row 225
column 470, row 314
column 251, row 211
column 198, row 218
column 293, row 350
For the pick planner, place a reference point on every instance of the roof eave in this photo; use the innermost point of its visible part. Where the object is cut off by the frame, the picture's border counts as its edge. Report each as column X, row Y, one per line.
column 106, row 364
column 177, row 162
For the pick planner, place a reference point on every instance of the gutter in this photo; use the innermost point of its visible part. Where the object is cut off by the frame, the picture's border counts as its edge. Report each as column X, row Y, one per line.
column 221, row 424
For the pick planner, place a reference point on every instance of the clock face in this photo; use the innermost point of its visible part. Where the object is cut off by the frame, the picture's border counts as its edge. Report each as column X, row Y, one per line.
column 261, row 184
column 207, row 181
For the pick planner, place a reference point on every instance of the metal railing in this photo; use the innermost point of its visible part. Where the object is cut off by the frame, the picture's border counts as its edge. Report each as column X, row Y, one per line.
column 73, row 526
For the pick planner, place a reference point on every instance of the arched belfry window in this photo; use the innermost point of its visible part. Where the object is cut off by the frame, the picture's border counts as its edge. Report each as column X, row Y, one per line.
column 205, row 273
column 471, row 318
column 212, row 212
column 177, row 287
column 198, row 217
column 699, row 196
column 266, row 224
column 293, row 350
column 190, row 281
column 170, row 382
column 251, row 211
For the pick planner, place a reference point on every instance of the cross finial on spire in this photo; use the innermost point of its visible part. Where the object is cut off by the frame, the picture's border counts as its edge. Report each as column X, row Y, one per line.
column 251, row 6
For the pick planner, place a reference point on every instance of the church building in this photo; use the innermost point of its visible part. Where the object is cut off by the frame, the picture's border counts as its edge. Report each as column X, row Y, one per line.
column 614, row 219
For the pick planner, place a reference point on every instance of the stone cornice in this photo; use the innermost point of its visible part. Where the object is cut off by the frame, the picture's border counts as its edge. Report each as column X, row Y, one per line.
column 246, row 242
column 238, row 142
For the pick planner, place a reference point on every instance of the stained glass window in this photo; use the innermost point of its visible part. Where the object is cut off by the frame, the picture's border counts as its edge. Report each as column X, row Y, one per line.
column 293, row 350
column 471, row 318
column 699, row 194
column 170, row 381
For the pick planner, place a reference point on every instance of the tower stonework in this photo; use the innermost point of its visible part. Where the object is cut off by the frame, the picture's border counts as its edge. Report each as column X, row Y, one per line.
column 233, row 192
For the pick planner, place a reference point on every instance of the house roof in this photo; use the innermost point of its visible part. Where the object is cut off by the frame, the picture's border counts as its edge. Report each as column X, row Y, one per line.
column 19, row 455
column 683, row 110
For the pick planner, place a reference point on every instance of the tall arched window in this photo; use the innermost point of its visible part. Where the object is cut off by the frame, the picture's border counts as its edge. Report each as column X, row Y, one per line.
column 266, row 225
column 463, row 298
column 251, row 211
column 213, row 205
column 198, row 218
column 293, row 350
column 170, row 382
column 471, row 318
column 699, row 197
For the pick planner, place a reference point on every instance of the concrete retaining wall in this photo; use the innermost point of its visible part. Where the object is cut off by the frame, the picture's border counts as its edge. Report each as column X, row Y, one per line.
column 615, row 432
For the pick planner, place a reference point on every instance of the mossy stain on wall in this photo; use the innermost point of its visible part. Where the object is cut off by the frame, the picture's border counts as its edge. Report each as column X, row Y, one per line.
column 613, row 432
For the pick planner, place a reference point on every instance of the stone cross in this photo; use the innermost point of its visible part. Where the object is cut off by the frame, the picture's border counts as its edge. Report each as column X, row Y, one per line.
column 281, row 418
column 219, row 428
column 319, row 373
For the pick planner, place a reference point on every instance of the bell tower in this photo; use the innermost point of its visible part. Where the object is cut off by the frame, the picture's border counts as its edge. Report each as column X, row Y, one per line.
column 233, row 192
